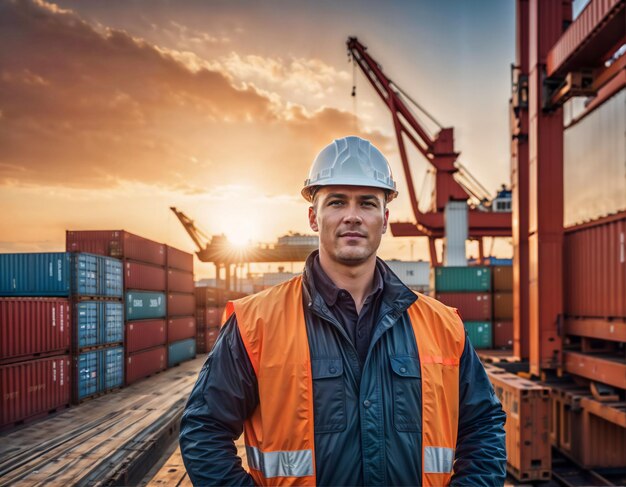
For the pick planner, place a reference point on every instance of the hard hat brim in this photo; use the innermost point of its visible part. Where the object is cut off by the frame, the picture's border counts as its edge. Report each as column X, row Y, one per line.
column 309, row 191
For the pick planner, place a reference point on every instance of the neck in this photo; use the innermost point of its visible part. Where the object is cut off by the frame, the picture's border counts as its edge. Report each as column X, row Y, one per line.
column 358, row 280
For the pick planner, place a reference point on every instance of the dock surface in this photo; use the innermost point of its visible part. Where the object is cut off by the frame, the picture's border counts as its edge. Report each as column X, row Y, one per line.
column 110, row 440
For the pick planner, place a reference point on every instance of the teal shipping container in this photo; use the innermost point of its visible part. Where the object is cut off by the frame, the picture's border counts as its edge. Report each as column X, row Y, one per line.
column 181, row 351
column 98, row 371
column 60, row 274
column 480, row 334
column 142, row 305
column 462, row 279
column 98, row 323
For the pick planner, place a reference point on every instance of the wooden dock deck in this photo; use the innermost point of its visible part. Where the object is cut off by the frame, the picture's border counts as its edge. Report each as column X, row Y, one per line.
column 110, row 440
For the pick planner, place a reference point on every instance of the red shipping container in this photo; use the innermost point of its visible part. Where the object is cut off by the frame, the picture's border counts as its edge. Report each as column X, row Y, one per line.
column 32, row 388
column 146, row 277
column 180, row 328
column 33, row 326
column 213, row 317
column 145, row 363
column 180, row 281
column 115, row 243
column 209, row 296
column 594, row 266
column 206, row 339
column 503, row 334
column 178, row 259
column 179, row 304
column 144, row 334
column 471, row 306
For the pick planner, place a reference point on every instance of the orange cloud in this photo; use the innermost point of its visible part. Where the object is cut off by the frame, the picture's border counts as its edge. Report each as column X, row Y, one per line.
column 90, row 107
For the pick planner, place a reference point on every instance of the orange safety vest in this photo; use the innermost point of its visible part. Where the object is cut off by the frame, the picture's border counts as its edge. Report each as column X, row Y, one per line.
column 280, row 437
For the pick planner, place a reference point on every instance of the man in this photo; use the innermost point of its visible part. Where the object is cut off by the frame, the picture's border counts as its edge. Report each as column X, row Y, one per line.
column 344, row 376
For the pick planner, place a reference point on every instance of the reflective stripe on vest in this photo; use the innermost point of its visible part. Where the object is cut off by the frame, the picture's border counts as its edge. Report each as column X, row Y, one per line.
column 281, row 447
column 297, row 463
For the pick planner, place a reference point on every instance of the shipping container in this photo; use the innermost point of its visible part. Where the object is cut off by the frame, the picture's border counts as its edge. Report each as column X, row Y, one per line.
column 98, row 371
column 180, row 281
column 146, row 277
column 98, row 323
column 595, row 269
column 59, row 274
column 462, row 279
column 141, row 305
column 503, row 334
column 503, row 306
column 181, row 328
column 206, row 338
column 502, row 278
column 32, row 388
column 144, row 334
column 179, row 304
column 145, row 363
column 30, row 327
column 479, row 333
column 471, row 306
column 527, row 406
column 207, row 297
column 209, row 317
column 177, row 259
column 116, row 243
column 181, row 351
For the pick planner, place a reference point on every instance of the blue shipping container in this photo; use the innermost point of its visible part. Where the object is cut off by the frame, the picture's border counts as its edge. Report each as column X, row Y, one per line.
column 60, row 274
column 141, row 305
column 98, row 323
column 99, row 371
column 181, row 351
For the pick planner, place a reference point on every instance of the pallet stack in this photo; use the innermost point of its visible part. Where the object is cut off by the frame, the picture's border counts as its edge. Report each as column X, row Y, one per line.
column 54, row 308
column 181, row 325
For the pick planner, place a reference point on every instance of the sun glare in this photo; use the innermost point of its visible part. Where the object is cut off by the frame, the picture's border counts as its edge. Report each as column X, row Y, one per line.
column 240, row 237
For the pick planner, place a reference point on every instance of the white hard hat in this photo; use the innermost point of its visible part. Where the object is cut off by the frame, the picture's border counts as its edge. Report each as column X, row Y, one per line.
column 350, row 161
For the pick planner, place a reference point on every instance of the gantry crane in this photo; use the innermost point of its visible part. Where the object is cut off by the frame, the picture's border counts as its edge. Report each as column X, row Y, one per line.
column 453, row 183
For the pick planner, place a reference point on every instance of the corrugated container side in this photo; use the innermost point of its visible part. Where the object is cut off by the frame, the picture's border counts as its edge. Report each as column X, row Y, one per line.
column 503, row 306
column 141, row 305
column 178, row 259
column 32, row 326
column 96, row 275
column 462, row 279
column 113, row 367
column 180, row 281
column 145, row 363
column 179, row 304
column 471, row 306
column 209, row 296
column 181, row 351
column 35, row 274
column 211, row 317
column 144, row 277
column 86, row 377
column 34, row 387
column 503, row 334
column 479, row 333
column 206, row 338
column 144, row 334
column 98, row 371
column 98, row 323
column 502, row 278
column 595, row 269
column 181, row 328
column 527, row 406
column 116, row 243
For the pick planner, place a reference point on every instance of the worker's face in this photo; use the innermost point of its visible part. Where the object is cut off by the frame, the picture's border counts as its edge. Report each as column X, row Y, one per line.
column 350, row 220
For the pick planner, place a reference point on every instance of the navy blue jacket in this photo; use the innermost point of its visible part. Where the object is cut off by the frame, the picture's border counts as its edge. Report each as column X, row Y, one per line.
column 367, row 419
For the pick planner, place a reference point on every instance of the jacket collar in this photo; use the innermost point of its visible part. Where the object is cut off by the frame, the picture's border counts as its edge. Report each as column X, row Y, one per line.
column 395, row 295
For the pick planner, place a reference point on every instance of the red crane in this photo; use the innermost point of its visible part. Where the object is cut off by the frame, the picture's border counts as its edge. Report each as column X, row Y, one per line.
column 452, row 181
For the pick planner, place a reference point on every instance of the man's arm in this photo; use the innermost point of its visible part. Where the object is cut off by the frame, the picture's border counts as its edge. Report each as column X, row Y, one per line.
column 225, row 394
column 481, row 450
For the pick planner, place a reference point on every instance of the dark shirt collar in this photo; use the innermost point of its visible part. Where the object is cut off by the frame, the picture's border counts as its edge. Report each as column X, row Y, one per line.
column 329, row 291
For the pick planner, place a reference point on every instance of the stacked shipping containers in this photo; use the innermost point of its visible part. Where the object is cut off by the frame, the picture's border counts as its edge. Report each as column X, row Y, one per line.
column 181, row 325
column 210, row 304
column 484, row 299
column 41, row 342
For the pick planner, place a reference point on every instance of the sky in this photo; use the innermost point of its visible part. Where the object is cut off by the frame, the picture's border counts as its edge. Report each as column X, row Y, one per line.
column 113, row 111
